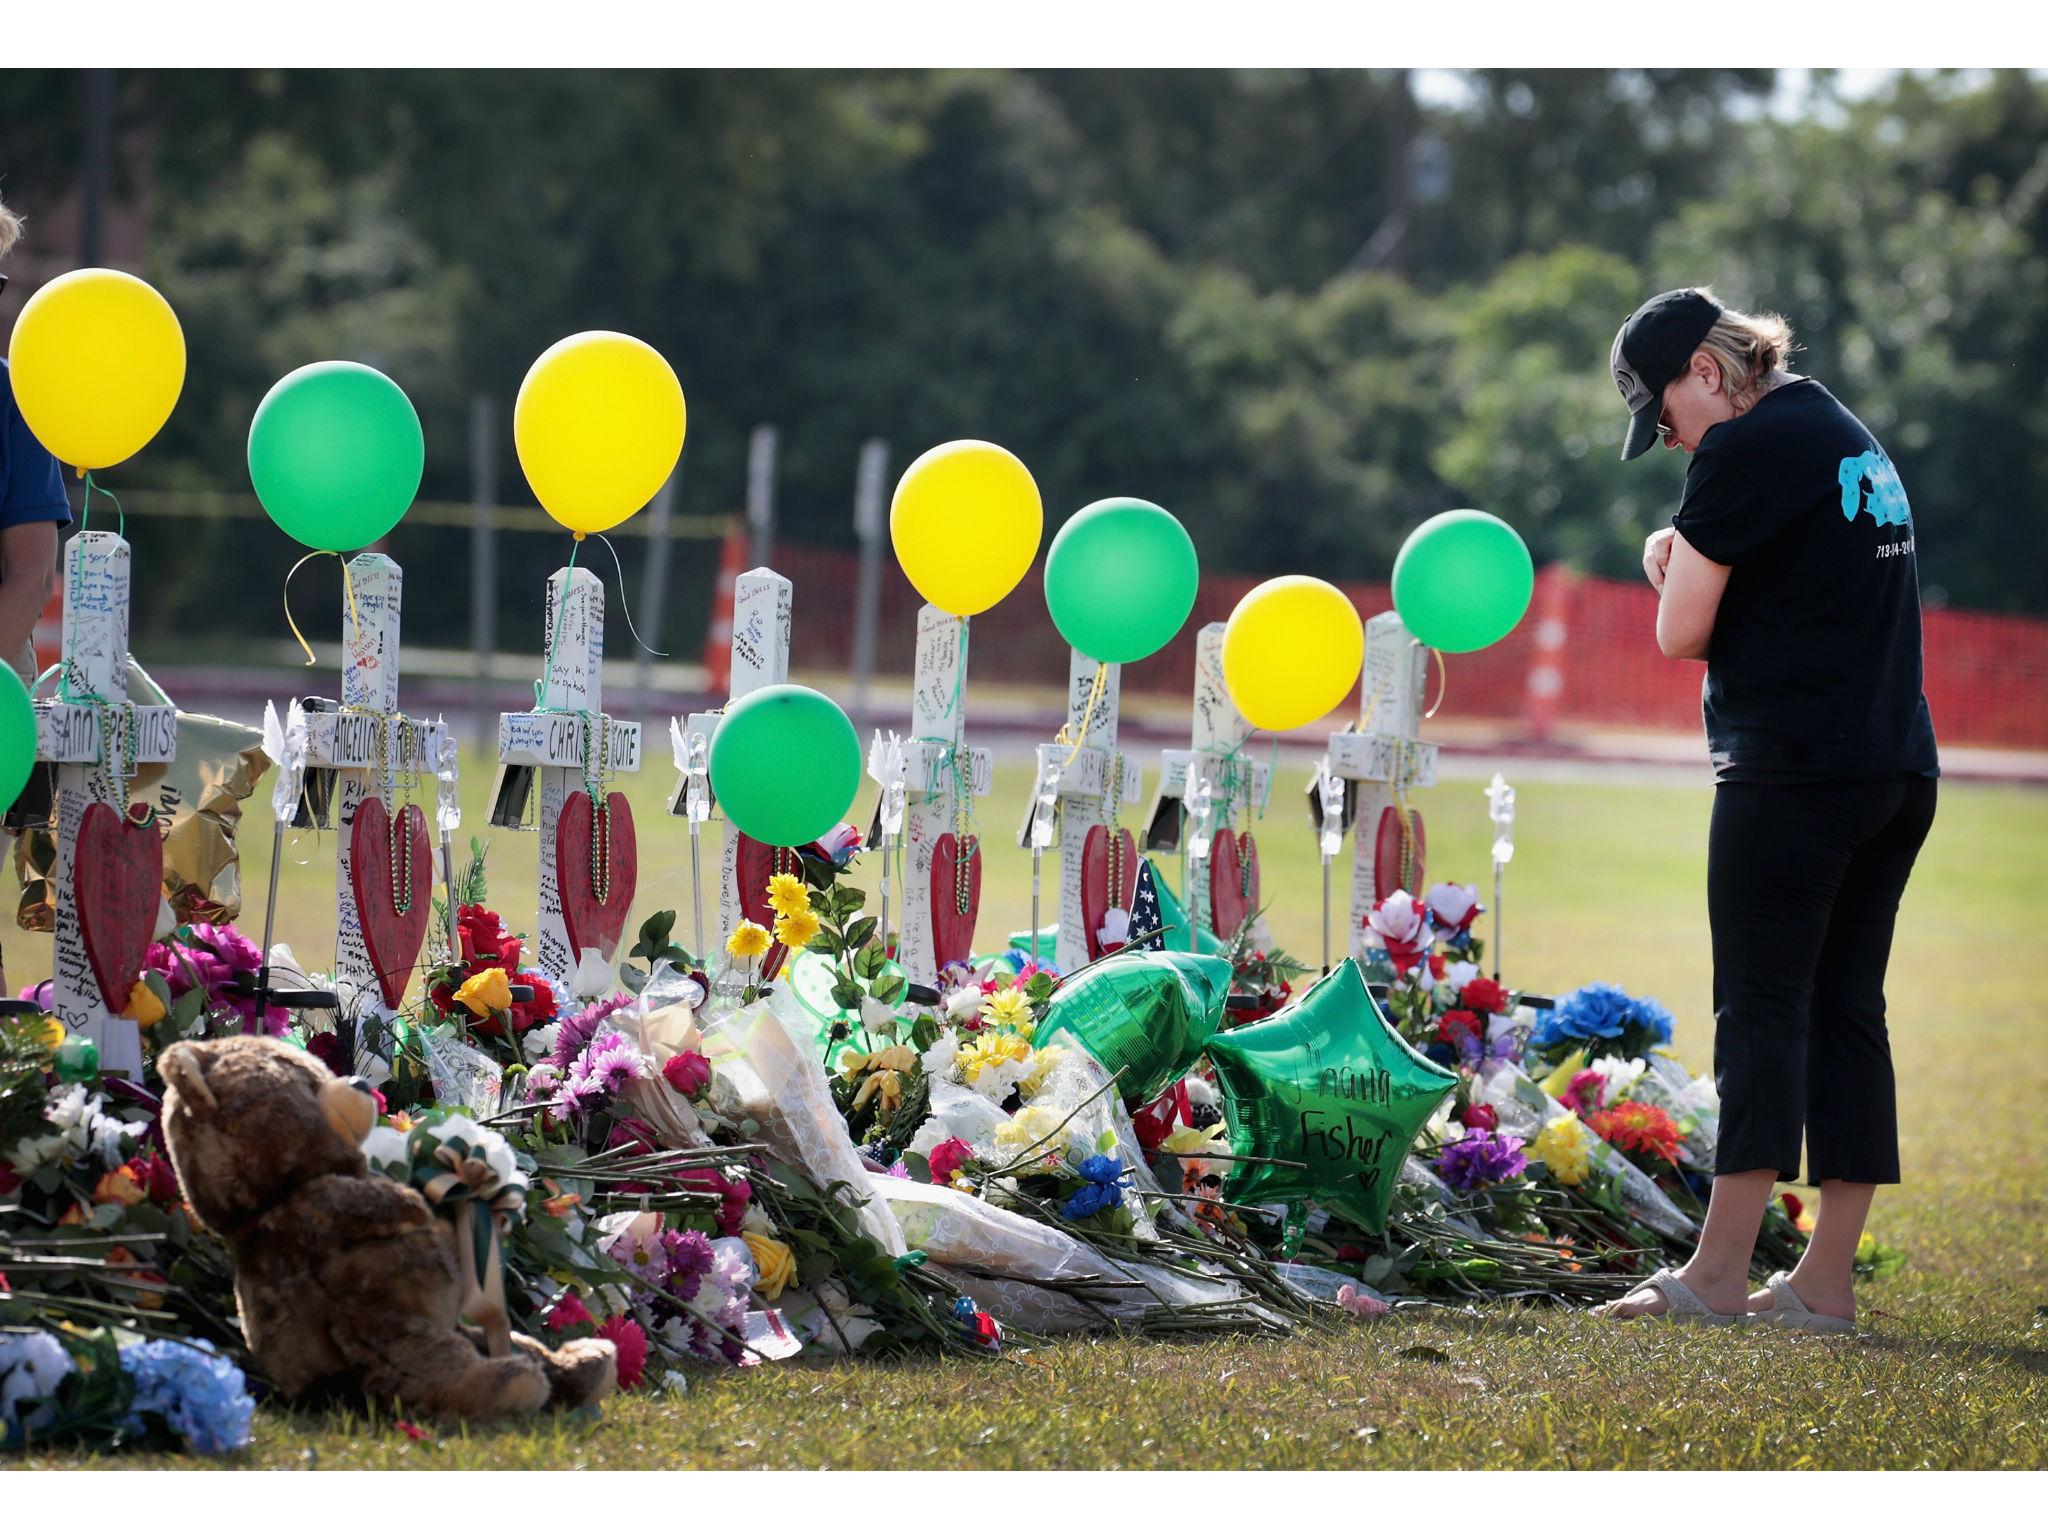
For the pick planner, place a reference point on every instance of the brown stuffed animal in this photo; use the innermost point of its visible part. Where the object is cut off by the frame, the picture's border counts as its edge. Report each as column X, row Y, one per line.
column 343, row 1277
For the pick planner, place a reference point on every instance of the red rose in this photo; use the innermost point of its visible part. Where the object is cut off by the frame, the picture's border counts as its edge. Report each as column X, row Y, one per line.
column 1480, row 1117
column 1792, row 1204
column 1456, row 1024
column 1436, row 967
column 1482, row 994
column 485, row 942
column 687, row 1072
column 526, row 1015
column 158, row 1179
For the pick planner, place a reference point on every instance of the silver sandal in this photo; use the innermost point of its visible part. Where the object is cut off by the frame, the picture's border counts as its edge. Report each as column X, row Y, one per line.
column 1788, row 1311
column 1682, row 1306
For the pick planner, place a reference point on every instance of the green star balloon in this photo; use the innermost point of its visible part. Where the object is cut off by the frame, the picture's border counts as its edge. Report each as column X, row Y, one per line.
column 1148, row 1012
column 1329, row 1083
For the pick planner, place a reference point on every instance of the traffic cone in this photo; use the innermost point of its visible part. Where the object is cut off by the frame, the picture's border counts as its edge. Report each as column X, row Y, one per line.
column 732, row 560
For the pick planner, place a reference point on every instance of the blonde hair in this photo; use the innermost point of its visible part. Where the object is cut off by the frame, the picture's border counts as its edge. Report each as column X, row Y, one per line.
column 10, row 228
column 1748, row 349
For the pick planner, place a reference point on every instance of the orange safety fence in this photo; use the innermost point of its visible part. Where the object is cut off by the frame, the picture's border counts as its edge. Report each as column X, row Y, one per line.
column 1586, row 654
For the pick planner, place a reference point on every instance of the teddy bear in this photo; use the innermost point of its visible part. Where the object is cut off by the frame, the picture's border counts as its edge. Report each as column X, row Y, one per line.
column 344, row 1279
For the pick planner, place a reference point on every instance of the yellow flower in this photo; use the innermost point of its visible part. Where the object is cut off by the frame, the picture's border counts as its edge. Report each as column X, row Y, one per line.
column 1032, row 1123
column 747, row 941
column 787, row 895
column 891, row 1058
column 1561, row 1146
column 118, row 1187
column 1189, row 1140
column 988, row 1050
column 1008, row 1009
column 144, row 1006
column 1043, row 1061
column 775, row 1261
column 50, row 1034
column 485, row 993
column 798, row 928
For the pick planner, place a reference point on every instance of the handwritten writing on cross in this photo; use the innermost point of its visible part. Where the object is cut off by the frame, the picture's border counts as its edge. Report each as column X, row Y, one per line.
column 761, row 606
column 935, row 759
column 96, row 739
column 1215, row 731
column 369, row 744
column 1090, row 780
column 1384, row 760
column 555, row 740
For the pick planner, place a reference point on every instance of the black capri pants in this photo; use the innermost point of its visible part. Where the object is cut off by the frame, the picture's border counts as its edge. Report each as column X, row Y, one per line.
column 1803, row 887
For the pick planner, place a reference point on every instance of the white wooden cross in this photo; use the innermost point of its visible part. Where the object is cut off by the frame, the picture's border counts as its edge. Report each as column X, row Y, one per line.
column 1383, row 759
column 369, row 744
column 556, row 739
column 1087, row 780
column 1215, row 732
column 97, row 746
column 932, row 767
column 761, row 602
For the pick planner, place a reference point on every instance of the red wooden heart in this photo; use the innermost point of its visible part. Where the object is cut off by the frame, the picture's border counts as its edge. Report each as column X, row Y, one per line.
column 393, row 938
column 952, row 929
column 1386, row 855
column 117, row 883
column 1233, row 882
column 1096, row 896
column 594, row 924
column 754, row 862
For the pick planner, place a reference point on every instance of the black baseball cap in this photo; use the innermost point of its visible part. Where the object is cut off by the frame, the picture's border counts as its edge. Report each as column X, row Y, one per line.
column 1650, row 350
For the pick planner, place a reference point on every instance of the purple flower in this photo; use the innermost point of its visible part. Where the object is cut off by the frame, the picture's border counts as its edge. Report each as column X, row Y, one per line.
column 1483, row 1157
column 607, row 1064
column 579, row 1029
column 689, row 1261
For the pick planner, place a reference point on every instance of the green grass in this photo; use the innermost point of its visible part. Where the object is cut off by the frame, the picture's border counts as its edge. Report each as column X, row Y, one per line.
column 1607, row 883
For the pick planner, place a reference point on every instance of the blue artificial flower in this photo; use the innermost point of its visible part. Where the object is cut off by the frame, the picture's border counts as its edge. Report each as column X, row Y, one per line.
column 1104, row 1189
column 1600, row 1013
column 197, row 1393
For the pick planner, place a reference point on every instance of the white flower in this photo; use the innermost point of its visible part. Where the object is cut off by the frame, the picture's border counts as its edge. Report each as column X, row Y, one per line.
column 756, row 1221
column 1453, row 905
column 1200, row 1091
column 997, row 1078
column 166, row 919
column 938, row 1060
column 592, row 977
column 1458, row 972
column 928, row 1137
column 1401, row 919
column 878, row 1015
column 385, row 1146
column 539, row 1041
column 1621, row 1074
column 963, row 1005
column 1116, row 926
column 31, row 1366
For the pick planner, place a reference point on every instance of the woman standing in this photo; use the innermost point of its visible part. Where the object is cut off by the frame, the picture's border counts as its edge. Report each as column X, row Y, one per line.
column 1789, row 569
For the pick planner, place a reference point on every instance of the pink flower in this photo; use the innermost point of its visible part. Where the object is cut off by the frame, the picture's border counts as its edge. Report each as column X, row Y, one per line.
column 688, row 1072
column 947, row 1157
column 568, row 1313
column 1358, row 1303
column 632, row 1344
column 1588, row 1092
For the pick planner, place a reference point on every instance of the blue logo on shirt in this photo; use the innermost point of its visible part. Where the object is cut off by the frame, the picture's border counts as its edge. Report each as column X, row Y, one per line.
column 1885, row 497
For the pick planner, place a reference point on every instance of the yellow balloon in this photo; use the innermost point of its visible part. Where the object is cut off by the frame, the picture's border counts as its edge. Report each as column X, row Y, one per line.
column 599, row 426
column 966, row 523
column 97, row 360
column 1291, row 652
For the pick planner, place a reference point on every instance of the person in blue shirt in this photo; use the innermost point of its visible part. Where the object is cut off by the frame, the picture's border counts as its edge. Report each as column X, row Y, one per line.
column 33, row 509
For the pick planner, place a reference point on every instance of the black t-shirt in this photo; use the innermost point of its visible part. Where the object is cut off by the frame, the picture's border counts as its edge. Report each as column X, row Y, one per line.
column 1814, row 667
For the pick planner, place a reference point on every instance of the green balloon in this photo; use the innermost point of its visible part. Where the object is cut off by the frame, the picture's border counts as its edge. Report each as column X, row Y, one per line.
column 1463, row 580
column 17, row 736
column 1329, row 1083
column 1120, row 579
column 335, row 453
column 1148, row 1012
column 1043, row 946
column 810, row 978
column 785, row 765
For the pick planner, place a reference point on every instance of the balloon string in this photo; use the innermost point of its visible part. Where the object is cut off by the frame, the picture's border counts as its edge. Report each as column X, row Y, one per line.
column 623, row 608
column 348, row 586
column 540, row 688
column 1079, row 737
column 85, row 511
column 1443, row 681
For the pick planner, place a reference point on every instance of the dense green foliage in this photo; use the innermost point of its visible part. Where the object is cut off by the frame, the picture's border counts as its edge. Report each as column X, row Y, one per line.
column 1301, row 309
